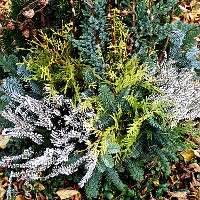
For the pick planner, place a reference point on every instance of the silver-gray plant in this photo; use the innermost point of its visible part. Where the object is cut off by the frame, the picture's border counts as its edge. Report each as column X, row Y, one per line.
column 181, row 90
column 65, row 132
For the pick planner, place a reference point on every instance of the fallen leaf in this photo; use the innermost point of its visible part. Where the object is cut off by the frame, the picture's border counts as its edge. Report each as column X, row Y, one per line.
column 190, row 154
column 4, row 182
column 29, row 13
column 195, row 166
column 18, row 185
column 2, row 193
column 144, row 190
column 173, row 167
column 19, row 197
column 194, row 181
column 156, row 182
column 193, row 139
column 178, row 195
column 66, row 193
column 26, row 33
column 185, row 176
column 198, row 193
column 174, row 179
column 39, row 186
column 3, row 142
column 196, row 153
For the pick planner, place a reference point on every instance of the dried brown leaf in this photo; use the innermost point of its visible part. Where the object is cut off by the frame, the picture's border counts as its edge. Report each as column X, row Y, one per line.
column 67, row 193
column 194, row 166
column 3, row 142
column 4, row 182
column 178, row 195
column 26, row 33
column 19, row 197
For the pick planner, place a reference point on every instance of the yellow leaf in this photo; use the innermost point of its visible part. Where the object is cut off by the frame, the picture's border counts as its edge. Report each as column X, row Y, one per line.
column 2, row 192
column 19, row 197
column 190, row 154
column 3, row 142
column 66, row 193
column 156, row 182
column 39, row 186
column 174, row 179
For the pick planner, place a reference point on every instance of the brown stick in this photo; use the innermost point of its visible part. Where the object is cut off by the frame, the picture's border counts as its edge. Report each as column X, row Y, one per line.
column 133, row 15
column 95, row 30
column 73, row 16
column 162, row 52
column 151, row 36
column 93, row 14
column 112, row 29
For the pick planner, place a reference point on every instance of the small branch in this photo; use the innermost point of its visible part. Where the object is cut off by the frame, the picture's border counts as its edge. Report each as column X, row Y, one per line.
column 93, row 14
column 130, row 45
column 112, row 25
column 133, row 15
column 94, row 29
column 162, row 52
column 90, row 5
column 73, row 16
column 41, row 9
column 151, row 36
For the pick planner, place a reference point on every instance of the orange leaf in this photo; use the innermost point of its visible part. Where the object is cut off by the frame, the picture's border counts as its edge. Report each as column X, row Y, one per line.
column 19, row 197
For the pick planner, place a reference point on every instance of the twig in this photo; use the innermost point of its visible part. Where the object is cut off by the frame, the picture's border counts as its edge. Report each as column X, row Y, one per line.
column 90, row 5
column 162, row 52
column 112, row 29
column 133, row 15
column 151, row 36
column 73, row 15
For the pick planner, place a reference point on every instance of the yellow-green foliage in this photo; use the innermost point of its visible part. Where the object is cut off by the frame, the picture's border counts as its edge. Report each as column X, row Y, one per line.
column 52, row 63
column 123, row 77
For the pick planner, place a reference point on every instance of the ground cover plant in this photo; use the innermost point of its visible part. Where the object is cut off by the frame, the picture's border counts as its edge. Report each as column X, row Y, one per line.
column 99, row 108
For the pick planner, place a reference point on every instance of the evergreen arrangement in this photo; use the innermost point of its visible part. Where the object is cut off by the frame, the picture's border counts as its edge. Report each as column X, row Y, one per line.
column 101, row 98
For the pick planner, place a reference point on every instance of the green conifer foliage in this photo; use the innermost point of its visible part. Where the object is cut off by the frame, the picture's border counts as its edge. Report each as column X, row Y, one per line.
column 102, row 64
column 149, row 23
column 184, row 51
column 127, row 117
column 51, row 62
